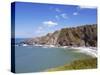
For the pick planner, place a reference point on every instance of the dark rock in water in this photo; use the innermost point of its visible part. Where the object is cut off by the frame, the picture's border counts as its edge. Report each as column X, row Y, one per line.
column 76, row 36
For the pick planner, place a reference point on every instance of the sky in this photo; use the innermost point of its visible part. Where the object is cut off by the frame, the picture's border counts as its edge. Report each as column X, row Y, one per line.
column 36, row 19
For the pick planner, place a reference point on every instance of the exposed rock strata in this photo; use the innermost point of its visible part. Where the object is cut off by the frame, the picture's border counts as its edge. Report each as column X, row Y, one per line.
column 75, row 36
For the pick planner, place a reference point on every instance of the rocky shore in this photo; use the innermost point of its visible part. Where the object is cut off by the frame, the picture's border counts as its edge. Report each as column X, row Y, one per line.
column 83, row 38
column 85, row 35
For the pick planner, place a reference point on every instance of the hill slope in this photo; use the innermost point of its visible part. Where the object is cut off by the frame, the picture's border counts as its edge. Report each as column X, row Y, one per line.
column 75, row 36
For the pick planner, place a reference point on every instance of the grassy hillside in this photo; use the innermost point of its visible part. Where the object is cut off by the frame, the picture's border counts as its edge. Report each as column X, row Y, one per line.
column 78, row 64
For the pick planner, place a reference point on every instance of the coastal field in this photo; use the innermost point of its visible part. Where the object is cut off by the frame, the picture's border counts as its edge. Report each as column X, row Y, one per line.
column 90, row 63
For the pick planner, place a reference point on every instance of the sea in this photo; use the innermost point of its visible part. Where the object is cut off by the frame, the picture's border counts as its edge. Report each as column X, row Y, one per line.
column 39, row 59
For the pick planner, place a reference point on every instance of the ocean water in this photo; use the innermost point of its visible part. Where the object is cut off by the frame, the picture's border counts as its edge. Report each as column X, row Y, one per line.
column 38, row 59
column 18, row 40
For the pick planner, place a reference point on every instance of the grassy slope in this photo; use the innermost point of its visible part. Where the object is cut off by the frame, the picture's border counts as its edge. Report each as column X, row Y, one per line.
column 78, row 64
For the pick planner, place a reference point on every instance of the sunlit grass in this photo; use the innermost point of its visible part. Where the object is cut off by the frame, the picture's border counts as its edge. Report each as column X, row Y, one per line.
column 90, row 63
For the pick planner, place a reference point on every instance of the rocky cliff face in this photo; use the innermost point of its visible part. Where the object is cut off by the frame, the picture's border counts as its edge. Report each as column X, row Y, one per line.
column 76, row 36
column 79, row 36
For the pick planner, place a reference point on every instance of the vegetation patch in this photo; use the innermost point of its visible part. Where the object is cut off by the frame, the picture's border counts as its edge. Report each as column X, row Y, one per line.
column 90, row 63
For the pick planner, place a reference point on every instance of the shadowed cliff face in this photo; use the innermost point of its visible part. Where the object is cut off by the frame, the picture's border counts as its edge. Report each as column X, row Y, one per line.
column 76, row 36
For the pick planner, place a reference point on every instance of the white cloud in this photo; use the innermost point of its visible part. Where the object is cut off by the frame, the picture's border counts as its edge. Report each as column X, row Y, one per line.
column 50, row 23
column 58, row 10
column 87, row 7
column 46, row 24
column 57, row 17
column 75, row 13
column 64, row 16
column 61, row 16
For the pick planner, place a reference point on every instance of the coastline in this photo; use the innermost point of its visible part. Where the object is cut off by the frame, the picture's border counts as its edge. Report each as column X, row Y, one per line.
column 88, row 63
column 92, row 51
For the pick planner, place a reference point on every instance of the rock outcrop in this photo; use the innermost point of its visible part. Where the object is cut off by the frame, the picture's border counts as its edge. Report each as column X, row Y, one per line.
column 75, row 36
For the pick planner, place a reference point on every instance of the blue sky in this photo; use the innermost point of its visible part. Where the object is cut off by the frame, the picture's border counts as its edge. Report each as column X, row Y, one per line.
column 34, row 19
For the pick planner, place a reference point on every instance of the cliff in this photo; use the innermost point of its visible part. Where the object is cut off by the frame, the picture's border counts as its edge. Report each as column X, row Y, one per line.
column 85, row 35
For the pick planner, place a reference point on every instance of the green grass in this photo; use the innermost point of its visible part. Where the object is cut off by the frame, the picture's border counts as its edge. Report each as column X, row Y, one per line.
column 90, row 63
